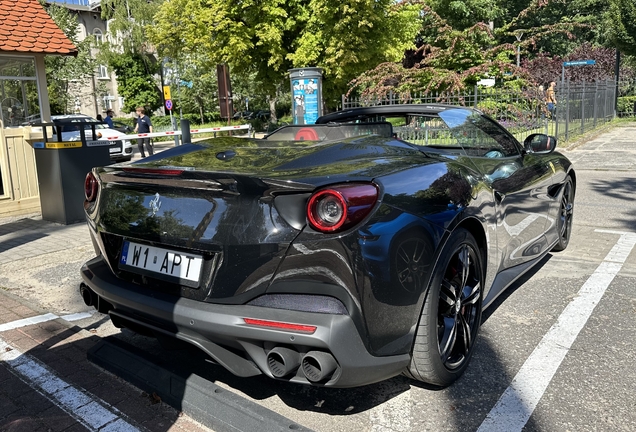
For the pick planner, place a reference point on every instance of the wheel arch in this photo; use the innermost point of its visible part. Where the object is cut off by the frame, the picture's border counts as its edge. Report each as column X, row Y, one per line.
column 476, row 228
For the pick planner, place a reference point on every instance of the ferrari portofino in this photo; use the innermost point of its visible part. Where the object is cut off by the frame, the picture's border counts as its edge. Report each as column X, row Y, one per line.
column 336, row 254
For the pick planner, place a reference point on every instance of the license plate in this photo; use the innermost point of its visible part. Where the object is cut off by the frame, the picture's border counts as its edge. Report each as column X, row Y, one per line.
column 114, row 149
column 162, row 261
column 97, row 143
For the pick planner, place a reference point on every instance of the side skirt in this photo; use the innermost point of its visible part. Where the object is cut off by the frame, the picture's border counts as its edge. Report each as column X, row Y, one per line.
column 507, row 277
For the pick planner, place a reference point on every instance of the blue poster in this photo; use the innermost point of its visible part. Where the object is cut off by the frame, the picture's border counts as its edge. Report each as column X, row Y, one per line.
column 305, row 107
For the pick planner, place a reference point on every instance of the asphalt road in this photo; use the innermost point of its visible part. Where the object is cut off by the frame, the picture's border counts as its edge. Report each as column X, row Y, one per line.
column 555, row 352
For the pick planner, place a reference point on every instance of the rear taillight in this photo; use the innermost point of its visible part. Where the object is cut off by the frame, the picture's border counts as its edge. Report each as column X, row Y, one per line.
column 340, row 207
column 90, row 187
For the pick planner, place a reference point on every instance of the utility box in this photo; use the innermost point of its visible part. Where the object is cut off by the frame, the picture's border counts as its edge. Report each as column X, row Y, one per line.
column 306, row 88
column 62, row 167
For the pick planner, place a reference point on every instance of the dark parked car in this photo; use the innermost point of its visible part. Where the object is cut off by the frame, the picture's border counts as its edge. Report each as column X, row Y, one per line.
column 337, row 254
column 122, row 127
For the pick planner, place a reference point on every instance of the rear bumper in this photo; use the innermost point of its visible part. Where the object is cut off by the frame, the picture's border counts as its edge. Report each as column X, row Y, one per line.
column 214, row 328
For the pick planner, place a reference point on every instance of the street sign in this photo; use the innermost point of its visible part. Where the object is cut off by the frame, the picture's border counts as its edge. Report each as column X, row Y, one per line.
column 166, row 93
column 579, row 63
column 169, row 104
column 575, row 63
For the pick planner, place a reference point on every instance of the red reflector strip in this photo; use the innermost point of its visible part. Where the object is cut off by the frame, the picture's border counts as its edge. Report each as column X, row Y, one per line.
column 280, row 325
column 159, row 171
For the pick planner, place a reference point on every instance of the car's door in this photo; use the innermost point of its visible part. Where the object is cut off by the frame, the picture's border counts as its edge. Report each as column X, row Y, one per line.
column 518, row 181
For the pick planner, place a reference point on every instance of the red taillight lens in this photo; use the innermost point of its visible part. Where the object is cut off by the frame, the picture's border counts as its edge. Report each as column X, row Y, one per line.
column 90, row 187
column 340, row 207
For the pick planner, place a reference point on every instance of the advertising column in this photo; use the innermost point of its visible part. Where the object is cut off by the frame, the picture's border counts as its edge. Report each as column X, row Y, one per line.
column 306, row 88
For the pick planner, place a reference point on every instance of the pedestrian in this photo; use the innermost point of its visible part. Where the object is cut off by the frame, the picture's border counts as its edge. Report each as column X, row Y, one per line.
column 109, row 119
column 144, row 125
column 550, row 99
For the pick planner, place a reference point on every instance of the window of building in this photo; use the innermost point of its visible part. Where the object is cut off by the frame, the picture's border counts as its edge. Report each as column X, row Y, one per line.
column 99, row 36
column 19, row 103
column 19, row 100
column 108, row 101
column 102, row 72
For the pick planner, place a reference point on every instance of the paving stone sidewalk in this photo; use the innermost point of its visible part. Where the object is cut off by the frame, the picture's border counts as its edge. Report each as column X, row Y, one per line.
column 47, row 384
column 30, row 236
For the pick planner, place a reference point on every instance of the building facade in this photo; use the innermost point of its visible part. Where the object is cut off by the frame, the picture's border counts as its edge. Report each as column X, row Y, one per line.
column 98, row 93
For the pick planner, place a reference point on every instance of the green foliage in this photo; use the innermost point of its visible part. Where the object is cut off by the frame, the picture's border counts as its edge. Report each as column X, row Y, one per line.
column 262, row 39
column 128, row 52
column 135, row 82
column 60, row 70
column 621, row 24
column 127, row 21
column 626, row 105
column 464, row 14
column 454, row 53
column 447, row 60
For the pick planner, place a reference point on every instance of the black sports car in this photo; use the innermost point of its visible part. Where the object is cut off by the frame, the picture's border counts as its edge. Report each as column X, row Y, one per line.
column 336, row 254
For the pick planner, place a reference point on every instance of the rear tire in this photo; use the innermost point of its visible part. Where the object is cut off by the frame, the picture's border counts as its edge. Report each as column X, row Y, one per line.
column 451, row 315
column 566, row 212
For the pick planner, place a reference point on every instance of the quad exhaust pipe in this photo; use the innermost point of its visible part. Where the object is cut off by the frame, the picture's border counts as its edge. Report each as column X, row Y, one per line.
column 317, row 366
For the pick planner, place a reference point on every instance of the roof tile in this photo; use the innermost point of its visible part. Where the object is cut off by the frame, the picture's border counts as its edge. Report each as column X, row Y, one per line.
column 26, row 27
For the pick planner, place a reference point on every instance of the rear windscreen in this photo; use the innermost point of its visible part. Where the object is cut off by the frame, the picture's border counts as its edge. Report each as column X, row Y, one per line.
column 330, row 132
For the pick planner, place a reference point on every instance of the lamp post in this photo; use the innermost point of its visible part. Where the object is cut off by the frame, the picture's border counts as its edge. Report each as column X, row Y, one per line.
column 518, row 36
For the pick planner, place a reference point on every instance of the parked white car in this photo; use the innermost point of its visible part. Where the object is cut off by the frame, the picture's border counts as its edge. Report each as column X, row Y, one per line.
column 120, row 150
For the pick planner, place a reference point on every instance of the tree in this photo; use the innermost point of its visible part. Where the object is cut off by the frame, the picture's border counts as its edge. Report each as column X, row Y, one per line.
column 446, row 60
column 464, row 14
column 450, row 59
column 61, row 70
column 621, row 24
column 129, row 53
column 265, row 38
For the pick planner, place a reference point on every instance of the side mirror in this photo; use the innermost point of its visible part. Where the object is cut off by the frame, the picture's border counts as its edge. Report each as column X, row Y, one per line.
column 540, row 143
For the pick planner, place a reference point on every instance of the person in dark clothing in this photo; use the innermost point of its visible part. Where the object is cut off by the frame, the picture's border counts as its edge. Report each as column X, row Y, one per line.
column 144, row 125
column 109, row 119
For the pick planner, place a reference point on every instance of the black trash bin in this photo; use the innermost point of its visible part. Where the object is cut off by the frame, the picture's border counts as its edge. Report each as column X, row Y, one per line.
column 62, row 167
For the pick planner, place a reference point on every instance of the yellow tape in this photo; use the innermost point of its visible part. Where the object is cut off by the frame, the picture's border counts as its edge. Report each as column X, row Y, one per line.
column 60, row 145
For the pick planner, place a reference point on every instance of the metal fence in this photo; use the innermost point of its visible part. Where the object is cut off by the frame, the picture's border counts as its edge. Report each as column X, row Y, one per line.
column 580, row 106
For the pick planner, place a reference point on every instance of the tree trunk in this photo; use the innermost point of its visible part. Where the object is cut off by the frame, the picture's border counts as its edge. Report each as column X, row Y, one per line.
column 201, row 110
column 272, row 109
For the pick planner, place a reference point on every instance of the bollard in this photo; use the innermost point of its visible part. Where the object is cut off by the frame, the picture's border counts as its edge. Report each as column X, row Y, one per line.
column 185, row 131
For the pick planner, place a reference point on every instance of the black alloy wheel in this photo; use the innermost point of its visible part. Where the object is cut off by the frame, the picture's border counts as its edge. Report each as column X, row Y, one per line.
column 410, row 265
column 459, row 308
column 450, row 320
column 566, row 213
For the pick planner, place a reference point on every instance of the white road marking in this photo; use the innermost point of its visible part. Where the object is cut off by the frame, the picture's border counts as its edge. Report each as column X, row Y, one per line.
column 93, row 413
column 27, row 322
column 43, row 318
column 77, row 316
column 518, row 402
